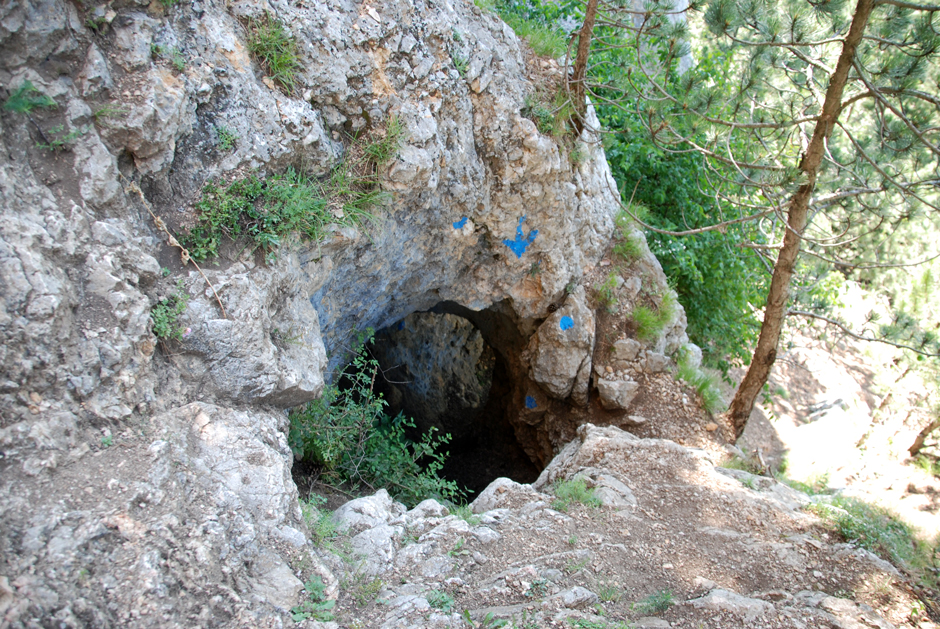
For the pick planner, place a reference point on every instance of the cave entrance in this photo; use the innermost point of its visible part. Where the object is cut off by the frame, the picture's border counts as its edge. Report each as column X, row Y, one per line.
column 451, row 368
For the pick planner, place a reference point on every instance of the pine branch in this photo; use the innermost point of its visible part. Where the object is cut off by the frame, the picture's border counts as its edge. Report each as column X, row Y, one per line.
column 813, row 315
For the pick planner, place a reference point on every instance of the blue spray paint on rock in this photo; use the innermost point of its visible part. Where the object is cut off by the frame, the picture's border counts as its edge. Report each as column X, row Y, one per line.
column 530, row 402
column 459, row 224
column 521, row 242
column 566, row 323
column 401, row 325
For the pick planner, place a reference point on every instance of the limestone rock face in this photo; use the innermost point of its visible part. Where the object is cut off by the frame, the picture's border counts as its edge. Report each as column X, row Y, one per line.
column 559, row 353
column 477, row 199
column 617, row 394
column 443, row 369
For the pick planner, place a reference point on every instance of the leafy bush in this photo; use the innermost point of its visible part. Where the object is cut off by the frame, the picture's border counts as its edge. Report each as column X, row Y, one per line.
column 655, row 603
column 440, row 600
column 606, row 292
column 651, row 321
column 317, row 606
column 704, row 384
column 573, row 491
column 276, row 50
column 26, row 98
column 881, row 532
column 348, row 433
column 319, row 521
column 166, row 313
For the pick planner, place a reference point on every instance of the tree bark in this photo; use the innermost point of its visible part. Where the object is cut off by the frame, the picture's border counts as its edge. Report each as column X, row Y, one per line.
column 576, row 82
column 922, row 437
column 776, row 307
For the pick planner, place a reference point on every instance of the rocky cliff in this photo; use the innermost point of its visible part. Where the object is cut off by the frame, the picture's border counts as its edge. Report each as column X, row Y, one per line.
column 147, row 482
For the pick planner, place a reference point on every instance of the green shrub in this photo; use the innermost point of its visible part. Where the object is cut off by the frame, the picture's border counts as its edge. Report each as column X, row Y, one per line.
column 655, row 603
column 573, row 491
column 268, row 209
column 348, row 433
column 440, row 600
column 227, row 138
column 544, row 40
column 317, row 606
column 166, row 313
column 606, row 292
column 60, row 140
column 26, row 98
column 551, row 115
column 275, row 49
column 319, row 521
column 881, row 532
column 705, row 385
column 651, row 321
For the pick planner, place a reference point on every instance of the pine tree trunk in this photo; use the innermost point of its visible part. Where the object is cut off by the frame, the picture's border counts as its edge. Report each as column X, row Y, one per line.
column 922, row 437
column 576, row 82
column 776, row 307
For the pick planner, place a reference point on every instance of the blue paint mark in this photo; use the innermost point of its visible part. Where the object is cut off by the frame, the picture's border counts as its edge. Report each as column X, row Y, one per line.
column 459, row 224
column 566, row 323
column 401, row 325
column 521, row 242
column 530, row 402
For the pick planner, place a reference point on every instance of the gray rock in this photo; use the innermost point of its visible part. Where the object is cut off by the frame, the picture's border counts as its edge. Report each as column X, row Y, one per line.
column 617, row 394
column 500, row 492
column 576, row 597
column 627, row 349
column 719, row 600
column 364, row 513
column 654, row 362
column 559, row 353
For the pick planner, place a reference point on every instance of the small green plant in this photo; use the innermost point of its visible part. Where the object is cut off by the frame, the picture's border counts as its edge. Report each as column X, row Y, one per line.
column 60, row 140
column 26, row 98
column 457, row 36
column 572, row 540
column 577, row 565
column 573, row 491
column 884, row 534
column 629, row 249
column 489, row 621
column 748, row 464
column 226, row 138
column 107, row 441
column 650, row 322
column 107, row 112
column 927, row 464
column 384, row 146
column 166, row 313
column 348, row 433
column 319, row 520
column 464, row 513
column 317, row 606
column 609, row 593
column 96, row 24
column 461, row 63
column 169, row 4
column 654, row 603
column 551, row 116
column 172, row 54
column 545, row 41
column 275, row 49
column 538, row 589
column 705, row 385
column 440, row 600
column 815, row 485
column 458, row 548
column 606, row 292
column 364, row 590
column 570, row 287
column 535, row 269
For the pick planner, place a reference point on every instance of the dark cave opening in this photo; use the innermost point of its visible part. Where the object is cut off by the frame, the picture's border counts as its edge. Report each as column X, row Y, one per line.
column 452, row 369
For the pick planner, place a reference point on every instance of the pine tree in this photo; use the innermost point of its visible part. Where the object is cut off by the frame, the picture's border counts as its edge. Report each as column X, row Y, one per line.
column 820, row 120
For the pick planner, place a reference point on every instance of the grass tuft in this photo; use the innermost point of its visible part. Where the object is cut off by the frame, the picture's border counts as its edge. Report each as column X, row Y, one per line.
column 651, row 321
column 655, row 603
column 705, row 385
column 572, row 491
column 883, row 533
column 26, row 98
column 275, row 49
